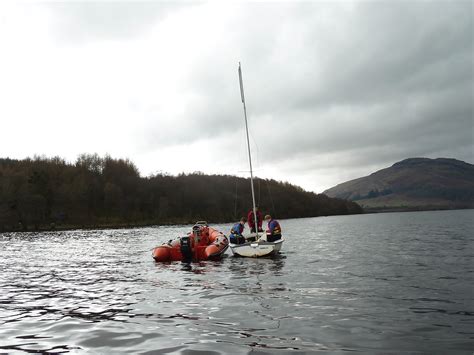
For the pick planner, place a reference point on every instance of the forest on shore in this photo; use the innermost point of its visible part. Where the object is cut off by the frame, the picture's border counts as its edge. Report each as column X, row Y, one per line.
column 99, row 192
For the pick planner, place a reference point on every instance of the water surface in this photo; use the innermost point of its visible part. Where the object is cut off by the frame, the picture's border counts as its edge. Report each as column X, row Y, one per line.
column 381, row 283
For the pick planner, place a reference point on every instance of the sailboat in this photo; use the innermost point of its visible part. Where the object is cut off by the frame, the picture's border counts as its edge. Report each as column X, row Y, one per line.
column 256, row 245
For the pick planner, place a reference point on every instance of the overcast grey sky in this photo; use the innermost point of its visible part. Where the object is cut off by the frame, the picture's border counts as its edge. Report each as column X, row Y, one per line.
column 335, row 90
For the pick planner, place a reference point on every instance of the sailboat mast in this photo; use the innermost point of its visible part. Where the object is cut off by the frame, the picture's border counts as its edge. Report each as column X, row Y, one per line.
column 248, row 147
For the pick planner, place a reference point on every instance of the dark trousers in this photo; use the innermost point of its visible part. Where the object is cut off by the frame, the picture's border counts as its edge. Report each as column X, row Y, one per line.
column 236, row 239
column 273, row 237
column 253, row 230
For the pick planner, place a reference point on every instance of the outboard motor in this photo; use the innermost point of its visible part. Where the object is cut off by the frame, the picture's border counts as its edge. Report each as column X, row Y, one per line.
column 186, row 248
column 197, row 234
column 193, row 238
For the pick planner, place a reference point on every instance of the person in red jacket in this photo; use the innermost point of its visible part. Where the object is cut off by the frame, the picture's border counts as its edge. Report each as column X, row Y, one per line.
column 251, row 220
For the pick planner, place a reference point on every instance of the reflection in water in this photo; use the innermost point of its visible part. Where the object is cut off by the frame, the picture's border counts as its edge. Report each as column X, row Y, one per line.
column 249, row 266
column 351, row 287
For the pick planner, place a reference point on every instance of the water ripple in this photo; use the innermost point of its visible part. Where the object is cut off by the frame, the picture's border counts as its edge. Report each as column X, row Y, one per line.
column 350, row 287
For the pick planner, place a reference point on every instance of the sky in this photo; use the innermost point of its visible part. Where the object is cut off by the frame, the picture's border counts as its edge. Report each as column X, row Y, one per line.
column 334, row 90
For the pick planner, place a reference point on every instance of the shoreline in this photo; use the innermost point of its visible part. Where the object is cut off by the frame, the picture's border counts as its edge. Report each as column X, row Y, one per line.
column 111, row 226
column 413, row 209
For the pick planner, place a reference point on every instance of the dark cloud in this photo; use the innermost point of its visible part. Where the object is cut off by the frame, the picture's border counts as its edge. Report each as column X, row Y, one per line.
column 376, row 82
column 334, row 89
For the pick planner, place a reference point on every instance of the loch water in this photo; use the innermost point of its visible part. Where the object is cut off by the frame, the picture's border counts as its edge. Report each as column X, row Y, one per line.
column 394, row 283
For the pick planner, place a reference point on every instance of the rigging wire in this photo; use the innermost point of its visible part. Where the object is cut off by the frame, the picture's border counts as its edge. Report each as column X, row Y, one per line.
column 235, row 199
column 271, row 199
column 259, row 192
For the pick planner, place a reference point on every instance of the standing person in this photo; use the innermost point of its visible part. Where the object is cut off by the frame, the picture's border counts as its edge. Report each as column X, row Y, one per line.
column 274, row 229
column 236, row 236
column 251, row 219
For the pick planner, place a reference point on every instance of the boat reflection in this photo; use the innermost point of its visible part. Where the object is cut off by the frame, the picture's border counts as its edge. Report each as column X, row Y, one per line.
column 240, row 267
column 200, row 267
column 243, row 267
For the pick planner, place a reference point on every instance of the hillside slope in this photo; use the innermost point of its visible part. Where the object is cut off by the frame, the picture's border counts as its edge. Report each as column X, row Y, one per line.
column 107, row 192
column 415, row 183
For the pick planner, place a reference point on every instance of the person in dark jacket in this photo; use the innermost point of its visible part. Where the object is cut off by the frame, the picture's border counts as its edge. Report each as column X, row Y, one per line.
column 251, row 219
column 274, row 229
column 236, row 231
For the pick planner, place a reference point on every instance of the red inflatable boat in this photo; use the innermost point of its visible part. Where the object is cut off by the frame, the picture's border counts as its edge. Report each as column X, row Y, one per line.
column 203, row 243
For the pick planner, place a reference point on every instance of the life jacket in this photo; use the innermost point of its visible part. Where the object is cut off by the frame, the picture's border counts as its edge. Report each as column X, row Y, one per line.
column 274, row 227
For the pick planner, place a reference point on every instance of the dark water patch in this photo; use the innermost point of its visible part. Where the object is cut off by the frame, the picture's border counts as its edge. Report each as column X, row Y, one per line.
column 427, row 310
column 436, row 300
column 442, row 325
column 58, row 349
column 169, row 350
column 32, row 337
column 464, row 313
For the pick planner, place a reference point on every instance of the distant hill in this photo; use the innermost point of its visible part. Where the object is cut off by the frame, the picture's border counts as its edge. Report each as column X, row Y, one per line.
column 93, row 192
column 412, row 184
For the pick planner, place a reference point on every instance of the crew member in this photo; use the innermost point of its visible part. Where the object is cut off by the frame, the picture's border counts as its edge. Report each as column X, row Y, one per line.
column 274, row 229
column 236, row 236
column 251, row 219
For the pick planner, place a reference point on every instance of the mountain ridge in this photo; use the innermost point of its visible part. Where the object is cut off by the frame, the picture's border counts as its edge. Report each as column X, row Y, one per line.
column 413, row 183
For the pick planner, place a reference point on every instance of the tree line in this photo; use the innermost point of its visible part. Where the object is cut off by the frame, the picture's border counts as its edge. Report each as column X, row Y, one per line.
column 47, row 193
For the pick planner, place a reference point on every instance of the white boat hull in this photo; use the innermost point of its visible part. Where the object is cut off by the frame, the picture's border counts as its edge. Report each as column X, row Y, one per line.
column 257, row 249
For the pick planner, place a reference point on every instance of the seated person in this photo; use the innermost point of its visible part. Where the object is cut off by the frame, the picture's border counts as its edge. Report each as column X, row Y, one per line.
column 274, row 229
column 236, row 236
